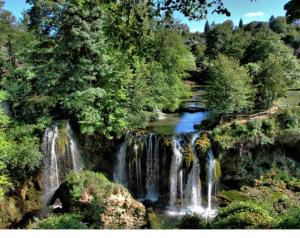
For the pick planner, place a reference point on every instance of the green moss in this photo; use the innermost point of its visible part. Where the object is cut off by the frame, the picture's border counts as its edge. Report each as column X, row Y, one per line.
column 203, row 144
column 217, row 171
column 241, row 215
column 189, row 156
column 62, row 140
column 168, row 142
column 9, row 212
column 233, row 195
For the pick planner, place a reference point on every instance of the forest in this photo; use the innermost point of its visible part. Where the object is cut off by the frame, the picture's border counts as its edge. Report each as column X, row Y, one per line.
column 111, row 110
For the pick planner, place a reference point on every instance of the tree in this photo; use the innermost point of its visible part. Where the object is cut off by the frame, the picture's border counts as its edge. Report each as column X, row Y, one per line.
column 278, row 25
column 292, row 10
column 269, row 82
column 261, row 45
column 206, row 27
column 229, row 89
column 241, row 24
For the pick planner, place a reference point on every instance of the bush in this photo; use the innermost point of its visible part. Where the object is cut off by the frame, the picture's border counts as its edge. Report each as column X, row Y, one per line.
column 242, row 215
column 19, row 152
column 289, row 119
column 193, row 222
column 290, row 220
column 97, row 188
column 254, row 127
column 65, row 221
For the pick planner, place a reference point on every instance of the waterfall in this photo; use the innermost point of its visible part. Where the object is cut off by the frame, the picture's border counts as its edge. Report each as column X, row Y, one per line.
column 75, row 155
column 193, row 186
column 152, row 168
column 144, row 160
column 211, row 183
column 176, row 183
column 58, row 162
column 138, row 165
column 119, row 171
column 50, row 166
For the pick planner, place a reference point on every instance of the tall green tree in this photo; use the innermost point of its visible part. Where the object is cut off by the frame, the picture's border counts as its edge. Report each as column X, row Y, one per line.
column 241, row 24
column 229, row 89
column 270, row 82
column 292, row 10
column 206, row 27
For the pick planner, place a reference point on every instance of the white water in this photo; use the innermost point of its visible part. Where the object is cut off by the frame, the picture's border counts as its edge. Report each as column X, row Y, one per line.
column 75, row 155
column 210, row 211
column 138, row 166
column 193, row 187
column 53, row 171
column 187, row 199
column 152, row 168
column 50, row 167
column 185, row 191
column 176, row 183
column 120, row 168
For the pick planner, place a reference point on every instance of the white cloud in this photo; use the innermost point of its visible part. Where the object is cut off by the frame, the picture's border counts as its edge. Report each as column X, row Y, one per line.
column 194, row 29
column 255, row 14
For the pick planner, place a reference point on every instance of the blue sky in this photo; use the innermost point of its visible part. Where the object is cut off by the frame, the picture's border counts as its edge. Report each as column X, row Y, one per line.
column 259, row 10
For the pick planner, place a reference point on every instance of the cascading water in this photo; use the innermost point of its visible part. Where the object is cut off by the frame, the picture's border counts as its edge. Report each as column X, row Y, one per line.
column 211, row 184
column 58, row 161
column 50, row 167
column 152, row 168
column 176, row 183
column 139, row 168
column 193, row 186
column 145, row 160
column 75, row 155
column 119, row 171
column 184, row 199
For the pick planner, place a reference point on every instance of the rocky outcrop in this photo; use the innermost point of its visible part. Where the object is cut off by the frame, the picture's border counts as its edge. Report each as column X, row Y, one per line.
column 14, row 206
column 122, row 211
column 103, row 204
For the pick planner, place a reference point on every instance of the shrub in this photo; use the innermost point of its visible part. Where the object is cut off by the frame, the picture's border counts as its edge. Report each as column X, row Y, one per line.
column 242, row 215
column 254, row 127
column 193, row 222
column 290, row 220
column 64, row 221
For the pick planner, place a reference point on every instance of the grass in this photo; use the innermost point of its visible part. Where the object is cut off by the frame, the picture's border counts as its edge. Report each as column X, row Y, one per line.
column 292, row 99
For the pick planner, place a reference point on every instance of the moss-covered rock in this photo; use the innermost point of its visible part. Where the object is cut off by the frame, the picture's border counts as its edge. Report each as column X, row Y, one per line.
column 243, row 215
column 188, row 156
column 27, row 199
column 9, row 212
column 203, row 144
column 103, row 204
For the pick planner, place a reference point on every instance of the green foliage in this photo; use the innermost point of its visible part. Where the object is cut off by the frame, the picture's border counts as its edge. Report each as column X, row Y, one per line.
column 289, row 119
column 97, row 183
column 229, row 86
column 242, row 215
column 193, row 222
column 290, row 220
column 4, row 180
column 110, row 70
column 64, row 221
column 20, row 155
column 269, row 82
column 94, row 186
column 4, row 119
column 229, row 136
column 292, row 11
